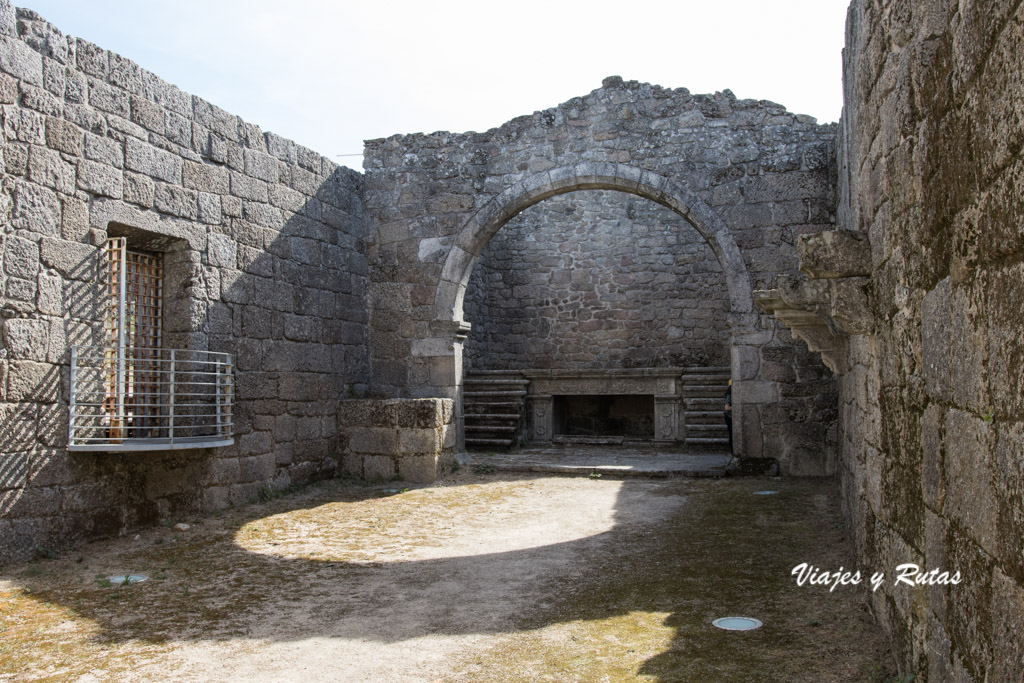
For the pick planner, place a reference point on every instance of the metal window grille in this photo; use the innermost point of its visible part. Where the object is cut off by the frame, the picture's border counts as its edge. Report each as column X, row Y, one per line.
column 131, row 394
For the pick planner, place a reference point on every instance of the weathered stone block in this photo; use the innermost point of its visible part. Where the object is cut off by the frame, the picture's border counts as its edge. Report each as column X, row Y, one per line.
column 151, row 161
column 147, row 114
column 933, row 481
column 109, row 99
column 216, row 497
column 18, row 423
column 261, row 166
column 378, row 440
column 48, row 168
column 416, row 441
column 262, row 214
column 755, row 392
column 970, row 494
column 21, row 257
column 64, row 136
column 36, row 210
column 205, row 177
column 176, row 201
column 210, row 209
column 245, row 187
column 50, row 295
column 418, row 469
column 103, row 150
column 377, row 467
column 419, row 413
column 139, row 189
column 100, row 179
column 21, row 61
column 25, row 339
column 255, row 443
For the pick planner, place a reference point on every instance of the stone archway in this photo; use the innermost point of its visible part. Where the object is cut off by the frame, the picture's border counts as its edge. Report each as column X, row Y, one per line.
column 485, row 223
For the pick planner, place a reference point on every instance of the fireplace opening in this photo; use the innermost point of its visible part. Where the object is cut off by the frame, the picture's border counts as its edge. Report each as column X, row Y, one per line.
column 628, row 416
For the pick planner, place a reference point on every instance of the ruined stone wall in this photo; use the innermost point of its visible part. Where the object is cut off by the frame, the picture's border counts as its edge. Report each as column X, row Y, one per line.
column 597, row 279
column 265, row 259
column 412, row 439
column 748, row 175
column 933, row 403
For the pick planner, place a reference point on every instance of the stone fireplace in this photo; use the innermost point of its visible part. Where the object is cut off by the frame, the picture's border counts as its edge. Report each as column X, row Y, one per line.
column 662, row 385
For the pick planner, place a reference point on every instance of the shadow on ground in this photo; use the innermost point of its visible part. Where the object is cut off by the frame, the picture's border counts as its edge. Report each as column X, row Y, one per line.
column 575, row 578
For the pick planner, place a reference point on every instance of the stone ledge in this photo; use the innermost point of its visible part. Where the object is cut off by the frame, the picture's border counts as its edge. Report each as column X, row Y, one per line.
column 402, row 438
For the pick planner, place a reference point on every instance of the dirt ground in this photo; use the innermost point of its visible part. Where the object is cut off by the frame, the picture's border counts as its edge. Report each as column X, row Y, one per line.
column 481, row 577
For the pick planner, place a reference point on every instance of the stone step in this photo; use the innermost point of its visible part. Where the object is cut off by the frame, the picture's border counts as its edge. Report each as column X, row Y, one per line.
column 708, row 370
column 490, row 428
column 503, row 443
column 704, row 429
column 707, row 441
column 700, row 380
column 697, row 415
column 496, row 382
column 709, row 391
column 511, row 406
column 494, row 373
column 492, row 405
column 589, row 440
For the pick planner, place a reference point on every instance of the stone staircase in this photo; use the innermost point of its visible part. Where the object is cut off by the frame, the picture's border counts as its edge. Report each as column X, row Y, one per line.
column 493, row 403
column 703, row 397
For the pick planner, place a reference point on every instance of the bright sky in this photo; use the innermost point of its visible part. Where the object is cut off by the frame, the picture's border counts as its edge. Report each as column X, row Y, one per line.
column 332, row 73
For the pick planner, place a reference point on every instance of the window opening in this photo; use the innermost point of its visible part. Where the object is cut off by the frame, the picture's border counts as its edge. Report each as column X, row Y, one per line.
column 131, row 393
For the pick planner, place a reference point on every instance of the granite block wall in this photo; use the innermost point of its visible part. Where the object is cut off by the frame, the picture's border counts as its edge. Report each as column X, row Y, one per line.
column 264, row 252
column 408, row 439
column 932, row 407
column 747, row 175
column 597, row 279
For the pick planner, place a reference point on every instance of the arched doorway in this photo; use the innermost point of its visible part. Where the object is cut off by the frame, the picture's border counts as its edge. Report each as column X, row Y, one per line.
column 449, row 323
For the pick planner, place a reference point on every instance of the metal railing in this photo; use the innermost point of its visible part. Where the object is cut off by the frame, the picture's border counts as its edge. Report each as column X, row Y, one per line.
column 149, row 399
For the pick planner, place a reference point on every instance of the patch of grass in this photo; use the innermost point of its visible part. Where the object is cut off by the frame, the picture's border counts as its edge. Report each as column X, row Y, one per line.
column 484, row 468
column 32, row 571
column 881, row 673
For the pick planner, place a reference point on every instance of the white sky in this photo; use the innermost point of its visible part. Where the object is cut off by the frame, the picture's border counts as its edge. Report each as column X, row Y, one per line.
column 330, row 74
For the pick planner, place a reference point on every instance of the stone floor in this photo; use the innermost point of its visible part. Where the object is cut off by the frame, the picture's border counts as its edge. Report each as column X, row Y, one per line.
column 622, row 461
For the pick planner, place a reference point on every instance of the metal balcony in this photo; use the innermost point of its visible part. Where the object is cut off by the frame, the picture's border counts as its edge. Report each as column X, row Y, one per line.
column 149, row 399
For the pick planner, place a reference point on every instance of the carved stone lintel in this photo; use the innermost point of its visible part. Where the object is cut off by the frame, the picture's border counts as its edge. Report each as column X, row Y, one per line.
column 663, row 384
column 655, row 382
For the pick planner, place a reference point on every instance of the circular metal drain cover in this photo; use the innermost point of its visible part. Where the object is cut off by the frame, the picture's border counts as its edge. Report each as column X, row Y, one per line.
column 737, row 623
column 765, row 493
column 128, row 579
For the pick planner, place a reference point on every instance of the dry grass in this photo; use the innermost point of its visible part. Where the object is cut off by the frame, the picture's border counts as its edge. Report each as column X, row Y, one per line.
column 478, row 578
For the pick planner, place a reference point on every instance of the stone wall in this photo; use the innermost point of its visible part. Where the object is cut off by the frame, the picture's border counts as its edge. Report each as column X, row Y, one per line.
column 597, row 279
column 932, row 399
column 749, row 177
column 265, row 259
column 386, row 439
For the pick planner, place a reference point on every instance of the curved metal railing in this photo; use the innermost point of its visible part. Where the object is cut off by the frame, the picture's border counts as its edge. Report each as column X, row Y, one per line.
column 149, row 399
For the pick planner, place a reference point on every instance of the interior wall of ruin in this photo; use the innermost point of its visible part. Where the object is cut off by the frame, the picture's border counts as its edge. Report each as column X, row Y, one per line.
column 266, row 261
column 597, row 279
column 932, row 409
